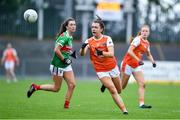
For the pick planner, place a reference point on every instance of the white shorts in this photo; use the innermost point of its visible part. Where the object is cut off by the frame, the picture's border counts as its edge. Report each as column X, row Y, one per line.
column 113, row 73
column 59, row 71
column 9, row 65
column 129, row 70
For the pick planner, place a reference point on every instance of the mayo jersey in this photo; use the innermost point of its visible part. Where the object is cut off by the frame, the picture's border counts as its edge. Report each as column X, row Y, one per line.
column 141, row 47
column 65, row 41
column 101, row 63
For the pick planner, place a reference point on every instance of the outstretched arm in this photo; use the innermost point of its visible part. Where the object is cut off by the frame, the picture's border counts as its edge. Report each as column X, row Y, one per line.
column 150, row 57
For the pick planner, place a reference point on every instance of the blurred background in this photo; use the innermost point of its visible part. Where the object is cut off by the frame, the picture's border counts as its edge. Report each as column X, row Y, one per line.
column 123, row 18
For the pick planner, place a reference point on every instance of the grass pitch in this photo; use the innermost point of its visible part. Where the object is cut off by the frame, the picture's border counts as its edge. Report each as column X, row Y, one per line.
column 87, row 102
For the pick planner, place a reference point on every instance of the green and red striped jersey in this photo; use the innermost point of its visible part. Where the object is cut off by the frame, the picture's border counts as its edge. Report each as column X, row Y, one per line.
column 65, row 41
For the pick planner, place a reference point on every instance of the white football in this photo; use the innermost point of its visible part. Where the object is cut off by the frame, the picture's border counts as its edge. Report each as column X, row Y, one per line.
column 30, row 15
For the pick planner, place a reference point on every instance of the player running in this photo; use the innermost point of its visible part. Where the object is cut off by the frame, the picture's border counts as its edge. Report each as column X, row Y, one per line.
column 61, row 63
column 132, row 62
column 101, row 49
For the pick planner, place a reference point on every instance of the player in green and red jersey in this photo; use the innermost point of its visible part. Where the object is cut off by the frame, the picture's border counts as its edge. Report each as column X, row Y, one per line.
column 61, row 63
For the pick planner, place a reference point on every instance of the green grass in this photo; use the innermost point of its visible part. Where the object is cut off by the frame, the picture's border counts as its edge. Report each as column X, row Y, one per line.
column 87, row 102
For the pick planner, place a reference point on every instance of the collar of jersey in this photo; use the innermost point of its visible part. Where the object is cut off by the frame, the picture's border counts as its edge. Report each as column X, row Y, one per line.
column 67, row 34
column 99, row 38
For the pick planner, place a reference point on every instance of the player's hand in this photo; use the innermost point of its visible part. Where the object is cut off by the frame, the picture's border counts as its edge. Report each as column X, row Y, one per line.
column 154, row 65
column 67, row 61
column 84, row 45
column 141, row 63
column 74, row 54
column 99, row 52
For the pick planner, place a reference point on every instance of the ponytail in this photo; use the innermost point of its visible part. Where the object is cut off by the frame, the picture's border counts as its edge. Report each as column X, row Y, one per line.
column 131, row 38
column 63, row 26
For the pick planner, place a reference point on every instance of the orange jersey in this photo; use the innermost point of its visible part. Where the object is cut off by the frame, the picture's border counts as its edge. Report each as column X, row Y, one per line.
column 141, row 47
column 100, row 63
column 10, row 54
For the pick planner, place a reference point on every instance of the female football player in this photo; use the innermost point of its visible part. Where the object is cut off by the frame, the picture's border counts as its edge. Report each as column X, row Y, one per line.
column 60, row 66
column 10, row 59
column 101, row 49
column 132, row 62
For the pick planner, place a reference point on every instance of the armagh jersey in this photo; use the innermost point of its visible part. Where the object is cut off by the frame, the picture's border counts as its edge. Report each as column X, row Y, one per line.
column 141, row 47
column 101, row 63
column 65, row 41
column 10, row 55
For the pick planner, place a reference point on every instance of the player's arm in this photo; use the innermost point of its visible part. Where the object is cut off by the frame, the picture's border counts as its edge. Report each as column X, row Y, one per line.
column 150, row 57
column 3, row 58
column 84, row 48
column 60, row 42
column 132, row 54
column 57, row 51
column 16, row 57
column 17, row 60
column 109, row 53
column 110, row 47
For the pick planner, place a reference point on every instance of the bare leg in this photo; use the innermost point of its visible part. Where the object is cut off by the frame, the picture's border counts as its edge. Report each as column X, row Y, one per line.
column 141, row 82
column 12, row 74
column 8, row 77
column 71, row 83
column 125, row 79
column 47, row 87
column 113, row 91
column 118, row 84
column 53, row 87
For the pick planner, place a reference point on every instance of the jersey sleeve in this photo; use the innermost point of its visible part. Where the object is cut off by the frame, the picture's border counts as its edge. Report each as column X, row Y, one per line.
column 136, row 41
column 4, row 53
column 14, row 52
column 109, row 42
column 61, row 40
column 148, row 49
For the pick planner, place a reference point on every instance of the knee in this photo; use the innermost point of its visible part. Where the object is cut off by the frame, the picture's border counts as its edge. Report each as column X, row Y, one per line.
column 123, row 86
column 112, row 89
column 71, row 85
column 142, row 85
column 119, row 91
column 56, row 89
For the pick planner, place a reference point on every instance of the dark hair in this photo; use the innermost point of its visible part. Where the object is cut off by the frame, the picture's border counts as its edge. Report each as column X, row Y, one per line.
column 63, row 26
column 99, row 20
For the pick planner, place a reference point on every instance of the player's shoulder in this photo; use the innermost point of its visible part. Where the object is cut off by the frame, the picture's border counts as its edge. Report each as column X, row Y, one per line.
column 137, row 38
column 62, row 34
column 107, row 37
column 90, row 39
column 62, row 37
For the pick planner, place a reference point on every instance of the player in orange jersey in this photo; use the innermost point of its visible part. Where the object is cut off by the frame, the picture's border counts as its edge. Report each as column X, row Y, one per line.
column 132, row 62
column 10, row 59
column 101, row 49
